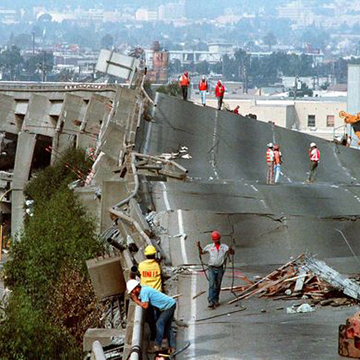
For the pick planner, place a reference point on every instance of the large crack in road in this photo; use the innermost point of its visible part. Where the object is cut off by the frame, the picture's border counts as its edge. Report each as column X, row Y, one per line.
column 268, row 224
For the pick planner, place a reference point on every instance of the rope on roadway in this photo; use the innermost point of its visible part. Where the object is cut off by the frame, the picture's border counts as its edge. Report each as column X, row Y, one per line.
column 203, row 266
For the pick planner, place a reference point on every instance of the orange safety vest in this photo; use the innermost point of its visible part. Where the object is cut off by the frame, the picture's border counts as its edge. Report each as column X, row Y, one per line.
column 203, row 85
column 184, row 80
column 277, row 157
column 269, row 156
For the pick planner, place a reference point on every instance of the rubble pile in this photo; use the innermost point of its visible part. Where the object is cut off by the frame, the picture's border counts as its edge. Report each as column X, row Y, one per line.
column 303, row 278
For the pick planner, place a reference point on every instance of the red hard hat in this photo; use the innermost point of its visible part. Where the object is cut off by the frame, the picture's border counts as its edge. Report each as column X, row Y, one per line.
column 186, row 73
column 215, row 235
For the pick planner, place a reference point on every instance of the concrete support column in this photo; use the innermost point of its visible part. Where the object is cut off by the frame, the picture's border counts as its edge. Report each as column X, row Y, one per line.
column 23, row 159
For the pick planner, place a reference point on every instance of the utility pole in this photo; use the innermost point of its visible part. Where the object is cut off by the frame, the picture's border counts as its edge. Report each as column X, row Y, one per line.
column 33, row 42
column 44, row 67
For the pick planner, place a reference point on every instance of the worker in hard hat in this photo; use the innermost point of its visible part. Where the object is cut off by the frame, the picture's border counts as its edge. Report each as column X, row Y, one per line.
column 218, row 253
column 184, row 84
column 277, row 163
column 150, row 275
column 219, row 93
column 203, row 88
column 270, row 163
column 314, row 155
column 146, row 296
column 150, row 270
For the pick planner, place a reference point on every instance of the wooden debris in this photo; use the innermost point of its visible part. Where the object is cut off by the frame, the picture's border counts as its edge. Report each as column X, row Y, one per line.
column 294, row 280
column 199, row 294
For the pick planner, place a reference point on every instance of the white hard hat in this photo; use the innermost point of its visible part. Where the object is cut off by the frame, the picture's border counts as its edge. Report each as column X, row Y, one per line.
column 131, row 285
column 203, row 77
column 270, row 145
column 312, row 144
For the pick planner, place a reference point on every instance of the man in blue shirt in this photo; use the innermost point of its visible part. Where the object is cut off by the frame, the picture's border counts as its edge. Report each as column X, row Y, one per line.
column 145, row 296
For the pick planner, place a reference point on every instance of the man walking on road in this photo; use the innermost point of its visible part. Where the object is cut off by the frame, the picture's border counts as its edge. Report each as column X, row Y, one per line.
column 219, row 93
column 270, row 164
column 203, row 88
column 217, row 257
column 314, row 155
column 277, row 163
column 146, row 296
column 184, row 84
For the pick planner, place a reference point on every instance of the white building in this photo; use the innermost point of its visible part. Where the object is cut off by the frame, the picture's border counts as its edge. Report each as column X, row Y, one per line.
column 146, row 15
column 315, row 116
column 171, row 11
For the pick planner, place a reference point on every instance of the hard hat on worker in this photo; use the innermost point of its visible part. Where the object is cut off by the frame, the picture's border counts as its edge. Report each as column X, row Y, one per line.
column 312, row 144
column 150, row 250
column 131, row 285
column 215, row 235
column 270, row 145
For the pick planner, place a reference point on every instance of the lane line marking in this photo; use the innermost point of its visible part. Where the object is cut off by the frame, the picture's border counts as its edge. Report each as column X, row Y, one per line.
column 254, row 188
column 182, row 239
column 165, row 196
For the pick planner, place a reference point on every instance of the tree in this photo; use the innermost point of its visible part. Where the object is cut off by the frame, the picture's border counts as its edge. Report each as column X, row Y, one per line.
column 52, row 301
column 11, row 61
column 42, row 62
column 23, row 41
column 202, row 68
column 107, row 42
column 270, row 40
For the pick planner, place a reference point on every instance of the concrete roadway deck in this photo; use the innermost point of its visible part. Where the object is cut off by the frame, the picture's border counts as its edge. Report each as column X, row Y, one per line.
column 266, row 225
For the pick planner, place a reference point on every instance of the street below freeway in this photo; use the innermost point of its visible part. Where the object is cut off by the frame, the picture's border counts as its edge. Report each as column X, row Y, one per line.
column 267, row 225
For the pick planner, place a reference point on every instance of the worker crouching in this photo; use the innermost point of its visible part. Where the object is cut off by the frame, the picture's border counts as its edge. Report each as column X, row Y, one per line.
column 216, row 267
column 146, row 296
column 150, row 275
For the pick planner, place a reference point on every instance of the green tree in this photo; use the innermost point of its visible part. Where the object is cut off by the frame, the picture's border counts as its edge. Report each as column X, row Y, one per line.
column 46, row 269
column 202, row 68
column 107, row 42
column 11, row 61
column 39, row 62
column 270, row 40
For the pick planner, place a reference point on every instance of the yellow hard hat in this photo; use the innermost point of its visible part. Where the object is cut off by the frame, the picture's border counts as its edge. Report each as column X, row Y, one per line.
column 150, row 250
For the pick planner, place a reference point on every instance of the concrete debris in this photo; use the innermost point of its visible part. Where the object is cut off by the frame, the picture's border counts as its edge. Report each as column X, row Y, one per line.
column 332, row 277
column 186, row 156
column 183, row 153
column 154, row 220
column 304, row 308
column 296, row 309
column 181, row 235
column 304, row 278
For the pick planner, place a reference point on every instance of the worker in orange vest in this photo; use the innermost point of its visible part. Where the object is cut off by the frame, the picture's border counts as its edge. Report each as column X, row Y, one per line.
column 203, row 88
column 277, row 163
column 270, row 164
column 314, row 155
column 184, row 84
column 219, row 93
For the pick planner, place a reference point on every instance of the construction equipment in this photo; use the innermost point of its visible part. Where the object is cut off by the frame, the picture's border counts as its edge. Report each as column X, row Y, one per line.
column 349, row 337
column 353, row 120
